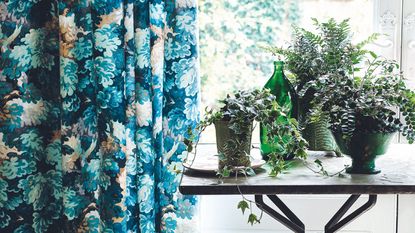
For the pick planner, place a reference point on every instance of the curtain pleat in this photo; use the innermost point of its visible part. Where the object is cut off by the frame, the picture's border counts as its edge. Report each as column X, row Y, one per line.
column 96, row 98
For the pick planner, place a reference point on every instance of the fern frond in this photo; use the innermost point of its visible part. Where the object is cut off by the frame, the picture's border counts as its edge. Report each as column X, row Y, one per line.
column 312, row 37
column 274, row 50
column 368, row 40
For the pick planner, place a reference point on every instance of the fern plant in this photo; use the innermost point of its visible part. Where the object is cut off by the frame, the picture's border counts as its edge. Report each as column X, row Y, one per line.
column 329, row 49
column 314, row 54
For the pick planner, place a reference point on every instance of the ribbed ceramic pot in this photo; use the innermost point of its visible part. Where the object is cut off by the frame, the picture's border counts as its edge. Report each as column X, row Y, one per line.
column 317, row 134
column 235, row 148
column 363, row 149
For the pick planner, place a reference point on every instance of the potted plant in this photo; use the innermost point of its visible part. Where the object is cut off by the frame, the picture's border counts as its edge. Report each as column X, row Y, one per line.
column 234, row 123
column 363, row 109
column 311, row 55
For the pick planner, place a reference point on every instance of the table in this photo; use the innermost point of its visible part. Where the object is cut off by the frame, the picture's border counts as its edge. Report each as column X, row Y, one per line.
column 397, row 177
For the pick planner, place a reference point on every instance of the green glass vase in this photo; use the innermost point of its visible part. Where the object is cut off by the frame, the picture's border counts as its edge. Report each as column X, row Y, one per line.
column 285, row 95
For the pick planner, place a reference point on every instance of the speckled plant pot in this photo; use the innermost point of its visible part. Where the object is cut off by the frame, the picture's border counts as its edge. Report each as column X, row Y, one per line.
column 235, row 148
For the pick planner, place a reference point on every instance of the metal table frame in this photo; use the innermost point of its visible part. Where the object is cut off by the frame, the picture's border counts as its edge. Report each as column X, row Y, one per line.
column 291, row 221
column 397, row 177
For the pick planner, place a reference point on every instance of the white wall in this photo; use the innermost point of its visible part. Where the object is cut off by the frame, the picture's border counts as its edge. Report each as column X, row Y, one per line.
column 406, row 214
column 218, row 214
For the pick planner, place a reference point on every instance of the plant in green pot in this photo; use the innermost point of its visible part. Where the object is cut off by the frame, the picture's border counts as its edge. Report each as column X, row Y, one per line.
column 363, row 110
column 312, row 54
column 234, row 123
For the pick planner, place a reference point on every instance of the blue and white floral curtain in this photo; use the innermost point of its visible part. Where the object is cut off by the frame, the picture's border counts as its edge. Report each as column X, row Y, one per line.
column 96, row 97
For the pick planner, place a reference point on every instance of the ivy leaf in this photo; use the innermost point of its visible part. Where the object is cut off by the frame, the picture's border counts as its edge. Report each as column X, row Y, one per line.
column 243, row 205
column 253, row 219
column 320, row 165
column 374, row 55
column 250, row 171
column 189, row 145
column 221, row 157
column 318, row 162
column 225, row 172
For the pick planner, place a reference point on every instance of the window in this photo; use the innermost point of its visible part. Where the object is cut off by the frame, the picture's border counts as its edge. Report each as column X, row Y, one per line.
column 232, row 32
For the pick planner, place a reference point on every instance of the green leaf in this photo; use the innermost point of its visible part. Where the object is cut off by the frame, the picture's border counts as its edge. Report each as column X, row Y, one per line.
column 373, row 54
column 250, row 171
column 253, row 219
column 225, row 172
column 221, row 157
column 243, row 205
column 318, row 162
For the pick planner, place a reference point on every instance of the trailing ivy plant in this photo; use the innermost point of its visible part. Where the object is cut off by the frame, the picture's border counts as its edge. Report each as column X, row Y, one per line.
column 366, row 103
column 242, row 108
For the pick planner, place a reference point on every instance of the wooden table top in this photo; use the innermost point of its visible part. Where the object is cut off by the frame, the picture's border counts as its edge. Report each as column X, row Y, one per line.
column 397, row 177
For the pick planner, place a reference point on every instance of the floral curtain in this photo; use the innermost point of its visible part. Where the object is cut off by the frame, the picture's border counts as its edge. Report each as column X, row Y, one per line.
column 96, row 97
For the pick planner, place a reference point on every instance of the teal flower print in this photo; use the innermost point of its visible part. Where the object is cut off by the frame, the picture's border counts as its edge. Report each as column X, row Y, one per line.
column 40, row 223
column 69, row 77
column 104, row 7
column 169, row 223
column 20, row 8
column 191, row 109
column 3, row 193
column 91, row 173
column 105, row 70
column 94, row 94
column 175, row 49
column 106, row 39
column 15, row 167
column 33, row 187
column 4, row 219
column 109, row 98
column 142, row 41
column 145, row 193
column 186, row 209
column 38, row 46
column 21, row 55
column 74, row 203
column 83, row 48
column 32, row 141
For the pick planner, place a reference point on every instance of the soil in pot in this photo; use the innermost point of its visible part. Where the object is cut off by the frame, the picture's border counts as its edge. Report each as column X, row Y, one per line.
column 234, row 147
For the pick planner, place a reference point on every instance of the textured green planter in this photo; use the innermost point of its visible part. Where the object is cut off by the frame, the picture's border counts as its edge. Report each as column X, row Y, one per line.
column 363, row 148
column 235, row 148
column 317, row 134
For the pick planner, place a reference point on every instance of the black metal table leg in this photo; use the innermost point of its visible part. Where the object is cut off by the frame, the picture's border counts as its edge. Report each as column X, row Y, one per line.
column 336, row 224
column 290, row 220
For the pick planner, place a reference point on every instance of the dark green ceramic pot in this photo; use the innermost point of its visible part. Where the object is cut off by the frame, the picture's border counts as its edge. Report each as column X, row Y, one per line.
column 363, row 149
column 235, row 148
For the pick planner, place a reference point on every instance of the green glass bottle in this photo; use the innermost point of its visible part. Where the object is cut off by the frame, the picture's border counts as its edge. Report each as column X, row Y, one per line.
column 285, row 95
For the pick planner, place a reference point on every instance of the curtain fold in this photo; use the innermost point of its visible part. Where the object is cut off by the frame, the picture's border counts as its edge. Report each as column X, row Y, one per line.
column 96, row 98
